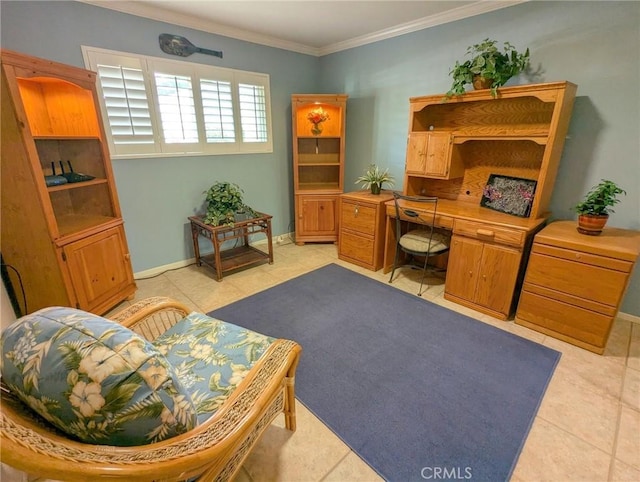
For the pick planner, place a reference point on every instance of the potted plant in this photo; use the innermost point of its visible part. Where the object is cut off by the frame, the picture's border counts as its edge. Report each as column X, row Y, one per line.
column 373, row 179
column 488, row 67
column 224, row 202
column 593, row 211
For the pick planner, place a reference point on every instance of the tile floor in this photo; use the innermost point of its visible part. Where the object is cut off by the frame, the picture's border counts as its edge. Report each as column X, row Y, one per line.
column 587, row 428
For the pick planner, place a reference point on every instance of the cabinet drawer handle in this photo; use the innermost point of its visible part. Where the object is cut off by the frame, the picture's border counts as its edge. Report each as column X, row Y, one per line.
column 485, row 232
column 355, row 211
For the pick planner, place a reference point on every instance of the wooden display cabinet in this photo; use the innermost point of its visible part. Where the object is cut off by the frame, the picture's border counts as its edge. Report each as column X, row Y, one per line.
column 318, row 165
column 362, row 225
column 66, row 241
column 575, row 283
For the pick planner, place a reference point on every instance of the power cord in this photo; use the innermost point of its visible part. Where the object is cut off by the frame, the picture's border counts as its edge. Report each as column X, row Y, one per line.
column 10, row 291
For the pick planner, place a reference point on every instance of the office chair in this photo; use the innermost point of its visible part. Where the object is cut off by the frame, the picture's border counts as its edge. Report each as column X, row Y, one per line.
column 419, row 241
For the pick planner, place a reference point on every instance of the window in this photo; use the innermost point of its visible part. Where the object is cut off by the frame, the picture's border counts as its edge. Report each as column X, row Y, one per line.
column 156, row 107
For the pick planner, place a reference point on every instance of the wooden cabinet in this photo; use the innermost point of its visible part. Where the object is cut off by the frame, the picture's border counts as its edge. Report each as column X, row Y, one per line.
column 67, row 241
column 483, row 274
column 317, row 218
column 318, row 164
column 455, row 145
column 362, row 225
column 430, row 154
column 575, row 283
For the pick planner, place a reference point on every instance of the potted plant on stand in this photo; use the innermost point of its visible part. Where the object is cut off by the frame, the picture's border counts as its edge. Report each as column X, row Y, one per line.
column 374, row 178
column 224, row 203
column 593, row 211
column 488, row 67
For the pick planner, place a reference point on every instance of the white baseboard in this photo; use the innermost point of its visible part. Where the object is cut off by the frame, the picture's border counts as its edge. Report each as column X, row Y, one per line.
column 148, row 273
column 629, row 317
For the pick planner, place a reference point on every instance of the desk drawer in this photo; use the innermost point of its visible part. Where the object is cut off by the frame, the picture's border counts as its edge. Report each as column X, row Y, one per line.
column 583, row 257
column 442, row 221
column 586, row 281
column 358, row 217
column 572, row 321
column 359, row 248
column 489, row 232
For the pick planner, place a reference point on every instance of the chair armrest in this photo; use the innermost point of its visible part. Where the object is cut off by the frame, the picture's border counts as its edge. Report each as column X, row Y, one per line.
column 151, row 317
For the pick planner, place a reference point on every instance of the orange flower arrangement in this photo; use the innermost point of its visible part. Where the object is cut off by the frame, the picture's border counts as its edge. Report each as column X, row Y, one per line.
column 316, row 117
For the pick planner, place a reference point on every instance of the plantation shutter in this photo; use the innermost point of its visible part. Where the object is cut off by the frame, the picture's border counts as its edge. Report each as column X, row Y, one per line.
column 253, row 112
column 125, row 100
column 154, row 106
column 217, row 104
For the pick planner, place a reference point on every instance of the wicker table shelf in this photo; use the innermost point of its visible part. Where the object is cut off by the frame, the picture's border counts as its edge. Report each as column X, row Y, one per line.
column 223, row 260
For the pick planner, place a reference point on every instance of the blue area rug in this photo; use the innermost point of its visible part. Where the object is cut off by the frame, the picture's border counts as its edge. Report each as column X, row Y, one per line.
column 417, row 390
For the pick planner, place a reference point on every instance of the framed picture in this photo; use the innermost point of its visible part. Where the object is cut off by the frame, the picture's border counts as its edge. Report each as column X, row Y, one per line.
column 510, row 195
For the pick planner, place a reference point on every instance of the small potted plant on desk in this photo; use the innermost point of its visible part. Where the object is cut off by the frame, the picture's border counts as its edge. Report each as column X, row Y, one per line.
column 488, row 67
column 225, row 205
column 374, row 178
column 593, row 211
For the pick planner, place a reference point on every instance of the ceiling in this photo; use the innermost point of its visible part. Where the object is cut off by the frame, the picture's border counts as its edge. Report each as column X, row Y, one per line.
column 316, row 27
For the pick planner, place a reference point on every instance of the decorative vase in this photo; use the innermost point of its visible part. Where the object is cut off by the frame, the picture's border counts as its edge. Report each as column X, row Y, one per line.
column 480, row 82
column 592, row 224
column 316, row 129
column 375, row 188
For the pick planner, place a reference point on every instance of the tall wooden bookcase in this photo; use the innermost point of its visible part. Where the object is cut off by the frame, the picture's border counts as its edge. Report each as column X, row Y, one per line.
column 67, row 241
column 318, row 164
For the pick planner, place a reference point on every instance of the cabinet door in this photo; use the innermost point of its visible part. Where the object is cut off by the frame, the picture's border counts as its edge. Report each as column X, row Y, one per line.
column 99, row 267
column 497, row 277
column 429, row 155
column 317, row 216
column 416, row 150
column 438, row 155
column 464, row 266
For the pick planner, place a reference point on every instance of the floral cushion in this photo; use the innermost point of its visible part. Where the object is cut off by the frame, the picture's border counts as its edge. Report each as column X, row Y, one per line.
column 211, row 357
column 94, row 379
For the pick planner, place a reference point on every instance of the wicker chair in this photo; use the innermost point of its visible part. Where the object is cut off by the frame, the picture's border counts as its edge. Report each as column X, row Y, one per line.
column 214, row 450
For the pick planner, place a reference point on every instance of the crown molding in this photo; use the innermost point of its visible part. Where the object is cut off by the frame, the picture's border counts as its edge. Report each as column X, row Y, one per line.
column 189, row 21
column 477, row 8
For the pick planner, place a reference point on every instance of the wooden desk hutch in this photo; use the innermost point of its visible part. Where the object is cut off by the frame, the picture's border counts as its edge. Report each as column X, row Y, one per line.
column 453, row 147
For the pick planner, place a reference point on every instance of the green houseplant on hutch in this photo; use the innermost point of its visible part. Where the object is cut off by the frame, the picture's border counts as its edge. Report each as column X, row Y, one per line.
column 374, row 178
column 488, row 67
column 593, row 211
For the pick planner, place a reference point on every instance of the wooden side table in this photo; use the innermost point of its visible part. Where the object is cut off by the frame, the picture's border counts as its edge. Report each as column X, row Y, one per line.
column 222, row 260
column 575, row 283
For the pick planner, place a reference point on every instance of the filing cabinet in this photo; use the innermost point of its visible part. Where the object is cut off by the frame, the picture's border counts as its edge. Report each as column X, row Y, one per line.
column 574, row 283
column 362, row 224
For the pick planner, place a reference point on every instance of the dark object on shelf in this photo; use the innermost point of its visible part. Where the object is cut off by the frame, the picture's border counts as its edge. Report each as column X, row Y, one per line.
column 54, row 180
column 74, row 176
column 510, row 195
column 177, row 45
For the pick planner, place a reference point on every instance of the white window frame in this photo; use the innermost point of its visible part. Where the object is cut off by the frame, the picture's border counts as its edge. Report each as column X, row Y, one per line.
column 94, row 56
